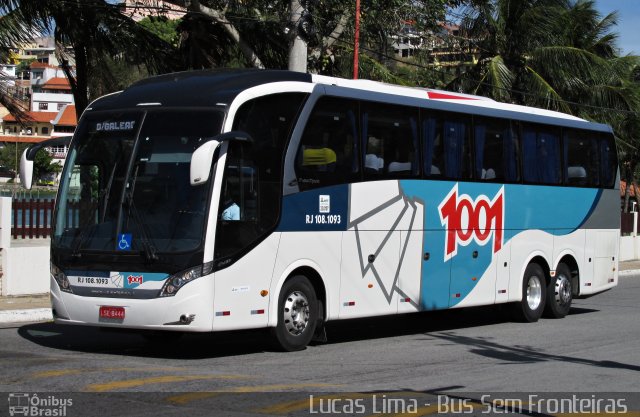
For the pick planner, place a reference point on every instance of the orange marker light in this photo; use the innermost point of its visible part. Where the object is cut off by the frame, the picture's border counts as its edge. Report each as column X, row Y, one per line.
column 264, row 293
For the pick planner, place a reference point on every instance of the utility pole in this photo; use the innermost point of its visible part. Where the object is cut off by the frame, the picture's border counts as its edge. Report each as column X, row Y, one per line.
column 298, row 47
column 356, row 42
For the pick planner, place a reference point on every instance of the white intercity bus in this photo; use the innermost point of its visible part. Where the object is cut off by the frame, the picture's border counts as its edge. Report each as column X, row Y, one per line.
column 208, row 201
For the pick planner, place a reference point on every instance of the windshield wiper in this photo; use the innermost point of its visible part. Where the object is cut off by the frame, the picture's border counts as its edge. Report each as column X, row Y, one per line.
column 94, row 205
column 84, row 227
column 149, row 250
column 108, row 188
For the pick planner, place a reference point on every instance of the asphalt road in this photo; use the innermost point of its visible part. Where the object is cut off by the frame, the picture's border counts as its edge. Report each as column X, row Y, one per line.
column 400, row 362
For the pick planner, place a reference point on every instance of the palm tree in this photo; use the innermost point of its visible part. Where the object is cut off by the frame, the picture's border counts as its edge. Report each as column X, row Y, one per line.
column 547, row 53
column 97, row 33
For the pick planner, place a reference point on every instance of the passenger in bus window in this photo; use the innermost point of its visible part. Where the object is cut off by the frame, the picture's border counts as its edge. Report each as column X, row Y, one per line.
column 231, row 211
column 373, row 161
column 402, row 159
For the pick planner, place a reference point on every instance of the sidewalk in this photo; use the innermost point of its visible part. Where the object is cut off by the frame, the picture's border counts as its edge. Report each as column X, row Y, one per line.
column 21, row 309
column 38, row 308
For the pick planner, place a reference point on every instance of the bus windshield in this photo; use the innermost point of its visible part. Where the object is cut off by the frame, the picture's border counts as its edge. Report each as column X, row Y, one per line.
column 126, row 187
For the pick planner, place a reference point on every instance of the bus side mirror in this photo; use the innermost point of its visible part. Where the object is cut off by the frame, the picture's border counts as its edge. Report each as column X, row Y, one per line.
column 201, row 161
column 29, row 155
column 202, row 158
column 26, row 170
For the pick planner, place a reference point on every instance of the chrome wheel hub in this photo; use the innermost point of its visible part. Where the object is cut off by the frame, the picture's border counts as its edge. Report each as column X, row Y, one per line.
column 534, row 292
column 563, row 290
column 296, row 313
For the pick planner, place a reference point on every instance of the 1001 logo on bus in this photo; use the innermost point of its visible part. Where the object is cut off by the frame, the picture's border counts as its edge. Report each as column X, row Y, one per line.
column 469, row 220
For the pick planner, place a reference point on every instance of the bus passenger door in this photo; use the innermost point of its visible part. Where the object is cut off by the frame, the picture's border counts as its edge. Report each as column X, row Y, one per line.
column 371, row 249
column 370, row 260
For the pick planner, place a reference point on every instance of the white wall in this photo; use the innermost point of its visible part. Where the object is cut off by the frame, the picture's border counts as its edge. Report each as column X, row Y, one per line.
column 25, row 268
column 629, row 248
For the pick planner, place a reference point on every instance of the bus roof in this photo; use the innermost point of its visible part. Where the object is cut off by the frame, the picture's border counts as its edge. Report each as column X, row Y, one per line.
column 195, row 89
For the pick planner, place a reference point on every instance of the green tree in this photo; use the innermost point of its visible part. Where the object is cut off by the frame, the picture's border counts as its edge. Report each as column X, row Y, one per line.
column 546, row 53
column 163, row 28
column 269, row 34
column 95, row 31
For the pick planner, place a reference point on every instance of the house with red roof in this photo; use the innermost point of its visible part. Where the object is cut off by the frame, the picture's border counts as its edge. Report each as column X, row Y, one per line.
column 50, row 94
column 40, row 126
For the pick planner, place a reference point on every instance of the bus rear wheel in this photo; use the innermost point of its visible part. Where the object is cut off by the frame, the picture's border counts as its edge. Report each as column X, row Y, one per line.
column 559, row 293
column 530, row 308
column 297, row 314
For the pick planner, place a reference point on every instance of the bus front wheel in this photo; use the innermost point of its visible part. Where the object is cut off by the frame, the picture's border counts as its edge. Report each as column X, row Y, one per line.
column 559, row 293
column 530, row 308
column 297, row 314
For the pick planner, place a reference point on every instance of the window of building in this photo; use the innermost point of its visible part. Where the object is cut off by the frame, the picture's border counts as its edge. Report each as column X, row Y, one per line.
column 60, row 106
column 43, row 106
column 45, row 130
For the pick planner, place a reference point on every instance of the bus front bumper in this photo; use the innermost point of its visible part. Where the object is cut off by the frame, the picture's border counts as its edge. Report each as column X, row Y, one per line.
column 190, row 310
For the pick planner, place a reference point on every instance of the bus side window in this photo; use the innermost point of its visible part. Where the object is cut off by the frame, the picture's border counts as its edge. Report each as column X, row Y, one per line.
column 493, row 153
column 608, row 160
column 581, row 158
column 328, row 152
column 541, row 155
column 252, row 183
column 447, row 148
column 390, row 141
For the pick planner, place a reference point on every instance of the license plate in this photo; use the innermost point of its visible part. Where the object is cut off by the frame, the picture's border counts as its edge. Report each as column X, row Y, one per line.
column 108, row 312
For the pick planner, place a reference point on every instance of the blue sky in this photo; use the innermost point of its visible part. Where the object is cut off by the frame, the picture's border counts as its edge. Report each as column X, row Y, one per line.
column 628, row 22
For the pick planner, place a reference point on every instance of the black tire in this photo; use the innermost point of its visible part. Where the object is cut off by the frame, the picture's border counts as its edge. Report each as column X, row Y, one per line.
column 297, row 315
column 534, row 287
column 559, row 293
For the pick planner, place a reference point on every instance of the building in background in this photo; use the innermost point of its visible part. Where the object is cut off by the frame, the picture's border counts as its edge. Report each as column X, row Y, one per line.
column 39, row 85
column 444, row 49
column 139, row 9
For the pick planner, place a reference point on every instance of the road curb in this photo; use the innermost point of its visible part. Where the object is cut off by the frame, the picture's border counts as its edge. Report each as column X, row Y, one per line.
column 629, row 272
column 26, row 315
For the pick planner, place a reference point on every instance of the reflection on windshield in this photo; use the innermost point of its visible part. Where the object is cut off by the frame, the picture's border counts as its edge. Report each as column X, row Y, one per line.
column 120, row 183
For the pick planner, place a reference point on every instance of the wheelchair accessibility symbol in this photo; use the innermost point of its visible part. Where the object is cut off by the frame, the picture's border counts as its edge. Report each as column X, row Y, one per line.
column 124, row 241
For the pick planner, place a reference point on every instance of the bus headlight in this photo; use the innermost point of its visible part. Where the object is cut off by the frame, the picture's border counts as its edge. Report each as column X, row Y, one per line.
column 176, row 281
column 61, row 279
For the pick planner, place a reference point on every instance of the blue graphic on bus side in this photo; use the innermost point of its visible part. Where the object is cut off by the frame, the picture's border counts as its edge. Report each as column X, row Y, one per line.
column 447, row 282
column 482, row 219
